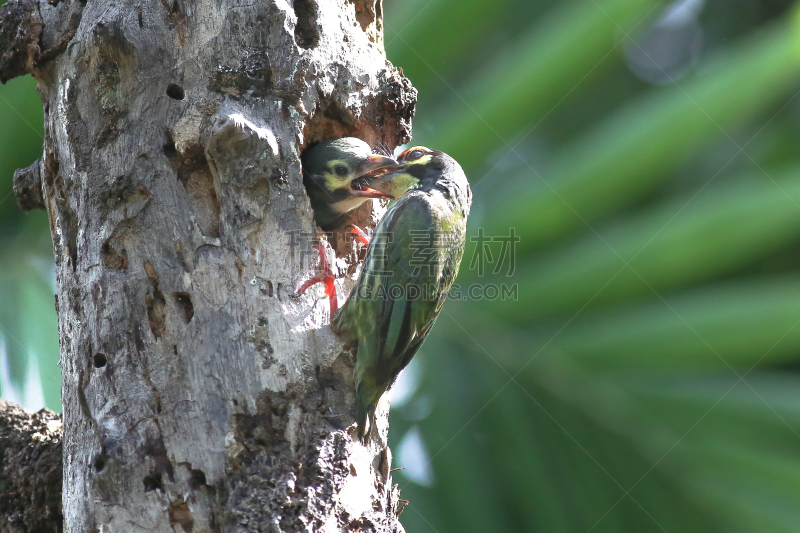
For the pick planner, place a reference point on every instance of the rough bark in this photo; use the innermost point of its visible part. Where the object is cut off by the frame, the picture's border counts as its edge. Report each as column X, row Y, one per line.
column 197, row 395
column 30, row 470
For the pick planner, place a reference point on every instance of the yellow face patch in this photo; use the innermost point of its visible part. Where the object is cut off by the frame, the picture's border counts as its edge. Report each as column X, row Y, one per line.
column 418, row 155
column 339, row 169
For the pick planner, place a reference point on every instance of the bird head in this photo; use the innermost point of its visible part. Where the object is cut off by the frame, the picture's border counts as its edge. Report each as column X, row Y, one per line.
column 338, row 176
column 421, row 168
column 345, row 165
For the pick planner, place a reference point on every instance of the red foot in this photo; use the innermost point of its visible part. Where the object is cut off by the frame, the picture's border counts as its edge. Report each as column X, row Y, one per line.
column 359, row 234
column 325, row 277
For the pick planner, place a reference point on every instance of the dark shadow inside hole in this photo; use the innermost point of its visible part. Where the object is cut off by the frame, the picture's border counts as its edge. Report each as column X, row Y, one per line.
column 184, row 302
column 175, row 91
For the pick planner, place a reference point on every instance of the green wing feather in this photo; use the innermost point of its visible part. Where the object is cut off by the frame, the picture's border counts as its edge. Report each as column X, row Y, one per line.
column 410, row 266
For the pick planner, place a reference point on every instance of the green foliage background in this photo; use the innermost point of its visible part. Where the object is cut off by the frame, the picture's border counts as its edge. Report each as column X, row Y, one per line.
column 646, row 376
column 28, row 326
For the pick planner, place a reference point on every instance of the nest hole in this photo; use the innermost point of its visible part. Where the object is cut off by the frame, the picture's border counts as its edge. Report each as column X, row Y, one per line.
column 175, row 91
column 100, row 360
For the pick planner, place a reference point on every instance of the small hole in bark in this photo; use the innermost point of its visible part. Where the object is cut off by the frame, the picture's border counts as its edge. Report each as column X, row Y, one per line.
column 113, row 259
column 100, row 461
column 169, row 147
column 100, row 360
column 383, row 463
column 155, row 302
column 198, row 479
column 153, row 481
column 306, row 33
column 155, row 313
column 184, row 302
column 175, row 91
column 70, row 228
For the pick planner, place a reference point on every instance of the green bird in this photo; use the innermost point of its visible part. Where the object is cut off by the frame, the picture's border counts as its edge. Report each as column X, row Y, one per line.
column 409, row 268
column 337, row 176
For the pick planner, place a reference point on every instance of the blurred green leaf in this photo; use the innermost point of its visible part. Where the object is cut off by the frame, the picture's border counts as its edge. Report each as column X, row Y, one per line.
column 27, row 315
column 28, row 320
column 541, row 414
column 21, row 130
column 739, row 324
column 39, row 327
column 529, row 79
column 415, row 32
column 638, row 145
column 709, row 232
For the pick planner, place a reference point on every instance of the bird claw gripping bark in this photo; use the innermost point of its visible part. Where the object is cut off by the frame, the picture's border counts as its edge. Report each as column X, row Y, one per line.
column 326, row 277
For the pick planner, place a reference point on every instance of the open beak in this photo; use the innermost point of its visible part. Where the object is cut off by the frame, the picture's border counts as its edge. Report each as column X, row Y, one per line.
column 359, row 188
column 377, row 166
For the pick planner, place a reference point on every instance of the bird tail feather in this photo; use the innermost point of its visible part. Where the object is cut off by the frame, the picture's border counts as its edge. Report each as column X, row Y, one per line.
column 365, row 415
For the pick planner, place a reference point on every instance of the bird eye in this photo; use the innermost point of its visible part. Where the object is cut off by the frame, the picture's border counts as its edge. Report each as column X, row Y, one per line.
column 341, row 170
column 413, row 155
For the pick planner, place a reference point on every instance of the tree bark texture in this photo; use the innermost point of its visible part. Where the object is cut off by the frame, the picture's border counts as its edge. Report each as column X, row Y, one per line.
column 198, row 396
column 30, row 470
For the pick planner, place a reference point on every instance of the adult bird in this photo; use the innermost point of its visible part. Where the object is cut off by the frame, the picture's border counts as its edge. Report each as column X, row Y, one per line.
column 337, row 176
column 410, row 266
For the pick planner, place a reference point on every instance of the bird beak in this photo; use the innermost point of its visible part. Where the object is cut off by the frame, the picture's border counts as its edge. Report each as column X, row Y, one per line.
column 394, row 182
column 374, row 169
column 362, row 190
column 376, row 163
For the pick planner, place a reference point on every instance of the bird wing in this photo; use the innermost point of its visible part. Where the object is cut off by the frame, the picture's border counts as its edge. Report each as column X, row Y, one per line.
column 401, row 290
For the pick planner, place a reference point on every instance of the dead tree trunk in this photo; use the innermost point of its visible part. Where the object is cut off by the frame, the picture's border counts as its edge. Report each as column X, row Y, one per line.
column 197, row 395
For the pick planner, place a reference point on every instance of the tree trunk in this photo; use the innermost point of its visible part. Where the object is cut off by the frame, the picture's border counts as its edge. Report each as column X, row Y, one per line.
column 198, row 396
